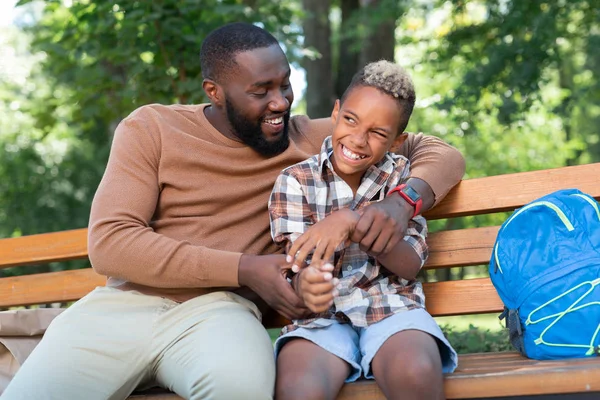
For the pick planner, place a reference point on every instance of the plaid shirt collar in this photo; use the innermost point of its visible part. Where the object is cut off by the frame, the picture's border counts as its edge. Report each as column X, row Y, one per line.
column 384, row 167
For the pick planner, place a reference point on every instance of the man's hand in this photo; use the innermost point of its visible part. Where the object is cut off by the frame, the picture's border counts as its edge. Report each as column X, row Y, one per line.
column 382, row 225
column 316, row 286
column 265, row 275
column 323, row 237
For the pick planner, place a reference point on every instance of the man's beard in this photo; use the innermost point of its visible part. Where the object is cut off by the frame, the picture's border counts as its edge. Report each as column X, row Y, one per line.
column 252, row 135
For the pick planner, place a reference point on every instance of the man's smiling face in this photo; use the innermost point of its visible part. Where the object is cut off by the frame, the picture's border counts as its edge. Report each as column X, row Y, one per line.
column 258, row 98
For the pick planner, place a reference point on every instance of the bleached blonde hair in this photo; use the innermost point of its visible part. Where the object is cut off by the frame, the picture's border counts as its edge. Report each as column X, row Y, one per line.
column 391, row 79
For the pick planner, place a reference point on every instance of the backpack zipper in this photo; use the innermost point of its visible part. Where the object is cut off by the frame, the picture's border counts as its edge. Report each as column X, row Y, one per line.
column 589, row 200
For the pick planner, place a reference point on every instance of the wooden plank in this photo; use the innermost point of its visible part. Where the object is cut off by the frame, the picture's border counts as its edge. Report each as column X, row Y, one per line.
column 43, row 248
column 460, row 248
column 510, row 191
column 468, row 296
column 478, row 375
column 539, row 377
column 50, row 287
column 446, row 249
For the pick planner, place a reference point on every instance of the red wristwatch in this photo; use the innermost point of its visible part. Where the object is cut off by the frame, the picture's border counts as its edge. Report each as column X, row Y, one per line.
column 411, row 196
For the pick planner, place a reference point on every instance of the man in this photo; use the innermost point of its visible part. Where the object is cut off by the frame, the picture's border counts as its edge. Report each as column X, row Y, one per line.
column 180, row 226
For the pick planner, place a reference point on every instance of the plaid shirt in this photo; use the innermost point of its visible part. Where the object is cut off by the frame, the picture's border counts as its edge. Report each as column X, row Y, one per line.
column 308, row 192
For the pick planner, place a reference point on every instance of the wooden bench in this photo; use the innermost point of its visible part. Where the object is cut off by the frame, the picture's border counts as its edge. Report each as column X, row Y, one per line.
column 478, row 375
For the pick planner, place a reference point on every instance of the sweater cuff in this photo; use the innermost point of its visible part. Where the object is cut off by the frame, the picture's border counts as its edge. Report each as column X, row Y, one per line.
column 223, row 269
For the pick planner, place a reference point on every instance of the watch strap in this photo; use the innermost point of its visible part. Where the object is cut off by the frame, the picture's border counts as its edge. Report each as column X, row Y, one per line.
column 414, row 201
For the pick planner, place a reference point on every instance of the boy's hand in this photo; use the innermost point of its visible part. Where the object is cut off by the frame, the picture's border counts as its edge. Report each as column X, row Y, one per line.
column 316, row 286
column 323, row 237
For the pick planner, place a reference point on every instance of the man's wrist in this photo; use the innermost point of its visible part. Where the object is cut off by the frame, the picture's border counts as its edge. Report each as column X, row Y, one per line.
column 406, row 208
column 244, row 268
column 409, row 196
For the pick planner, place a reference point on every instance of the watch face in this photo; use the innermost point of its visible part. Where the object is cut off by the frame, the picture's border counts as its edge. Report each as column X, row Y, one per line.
column 411, row 193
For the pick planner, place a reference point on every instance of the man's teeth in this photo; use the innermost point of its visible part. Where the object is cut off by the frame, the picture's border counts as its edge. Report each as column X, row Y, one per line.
column 274, row 121
column 352, row 155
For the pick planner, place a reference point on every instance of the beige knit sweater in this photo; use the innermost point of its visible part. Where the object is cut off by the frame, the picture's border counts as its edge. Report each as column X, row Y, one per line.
column 179, row 202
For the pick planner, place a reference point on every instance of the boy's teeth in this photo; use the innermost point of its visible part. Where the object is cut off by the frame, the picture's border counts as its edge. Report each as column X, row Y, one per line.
column 350, row 154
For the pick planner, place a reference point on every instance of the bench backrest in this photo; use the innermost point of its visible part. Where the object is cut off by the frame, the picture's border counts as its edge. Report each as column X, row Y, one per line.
column 451, row 248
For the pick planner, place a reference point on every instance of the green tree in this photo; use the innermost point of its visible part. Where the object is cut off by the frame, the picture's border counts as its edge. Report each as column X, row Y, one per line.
column 523, row 54
column 101, row 60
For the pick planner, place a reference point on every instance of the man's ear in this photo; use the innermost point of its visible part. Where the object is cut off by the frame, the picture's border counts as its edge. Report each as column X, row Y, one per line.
column 398, row 142
column 214, row 92
column 336, row 110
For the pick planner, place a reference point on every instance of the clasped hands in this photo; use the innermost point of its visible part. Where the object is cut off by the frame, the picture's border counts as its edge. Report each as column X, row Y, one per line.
column 315, row 283
column 380, row 227
column 377, row 228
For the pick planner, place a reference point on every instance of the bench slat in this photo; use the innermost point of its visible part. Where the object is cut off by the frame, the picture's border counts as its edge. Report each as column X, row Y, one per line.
column 51, row 287
column 43, row 248
column 446, row 249
column 467, row 296
column 507, row 192
column 470, row 296
column 461, row 248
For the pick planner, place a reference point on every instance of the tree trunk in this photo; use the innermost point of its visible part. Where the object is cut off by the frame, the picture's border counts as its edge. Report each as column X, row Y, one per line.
column 319, row 78
column 565, row 110
column 349, row 51
column 381, row 40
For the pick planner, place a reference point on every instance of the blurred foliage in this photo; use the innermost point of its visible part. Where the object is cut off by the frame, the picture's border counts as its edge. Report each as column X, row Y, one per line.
column 98, row 61
column 477, row 340
column 514, row 58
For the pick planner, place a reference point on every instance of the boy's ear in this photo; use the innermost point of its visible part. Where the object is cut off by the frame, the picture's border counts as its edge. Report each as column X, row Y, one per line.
column 398, row 142
column 213, row 91
column 336, row 110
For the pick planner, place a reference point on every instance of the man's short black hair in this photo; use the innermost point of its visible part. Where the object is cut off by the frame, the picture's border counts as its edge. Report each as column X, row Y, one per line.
column 217, row 55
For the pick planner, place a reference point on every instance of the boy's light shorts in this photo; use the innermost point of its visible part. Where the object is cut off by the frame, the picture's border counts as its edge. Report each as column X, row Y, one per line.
column 358, row 346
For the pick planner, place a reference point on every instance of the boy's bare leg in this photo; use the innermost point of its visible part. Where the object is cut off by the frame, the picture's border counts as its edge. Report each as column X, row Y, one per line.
column 306, row 371
column 408, row 366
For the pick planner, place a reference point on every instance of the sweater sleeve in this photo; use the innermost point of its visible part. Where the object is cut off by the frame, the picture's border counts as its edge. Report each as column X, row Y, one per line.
column 121, row 242
column 434, row 161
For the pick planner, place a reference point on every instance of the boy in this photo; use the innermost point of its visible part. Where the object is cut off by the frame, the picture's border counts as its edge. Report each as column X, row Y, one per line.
column 369, row 311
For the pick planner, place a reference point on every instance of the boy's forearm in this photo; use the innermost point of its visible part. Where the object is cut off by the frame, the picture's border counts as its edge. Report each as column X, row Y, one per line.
column 402, row 261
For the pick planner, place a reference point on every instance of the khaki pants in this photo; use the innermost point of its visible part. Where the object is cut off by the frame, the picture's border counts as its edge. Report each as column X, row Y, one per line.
column 112, row 342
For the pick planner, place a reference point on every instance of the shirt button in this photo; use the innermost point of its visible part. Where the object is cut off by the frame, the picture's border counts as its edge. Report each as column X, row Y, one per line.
column 349, row 268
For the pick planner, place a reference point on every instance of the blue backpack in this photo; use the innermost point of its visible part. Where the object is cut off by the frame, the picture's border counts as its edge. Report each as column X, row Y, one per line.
column 545, row 266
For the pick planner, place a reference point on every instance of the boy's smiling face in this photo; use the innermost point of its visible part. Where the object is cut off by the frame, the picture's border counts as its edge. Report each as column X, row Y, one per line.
column 366, row 126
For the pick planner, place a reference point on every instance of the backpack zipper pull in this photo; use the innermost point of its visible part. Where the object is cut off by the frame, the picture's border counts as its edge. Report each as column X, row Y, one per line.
column 504, row 314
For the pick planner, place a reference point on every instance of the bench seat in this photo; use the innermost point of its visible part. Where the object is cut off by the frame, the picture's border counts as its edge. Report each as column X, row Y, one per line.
column 484, row 375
